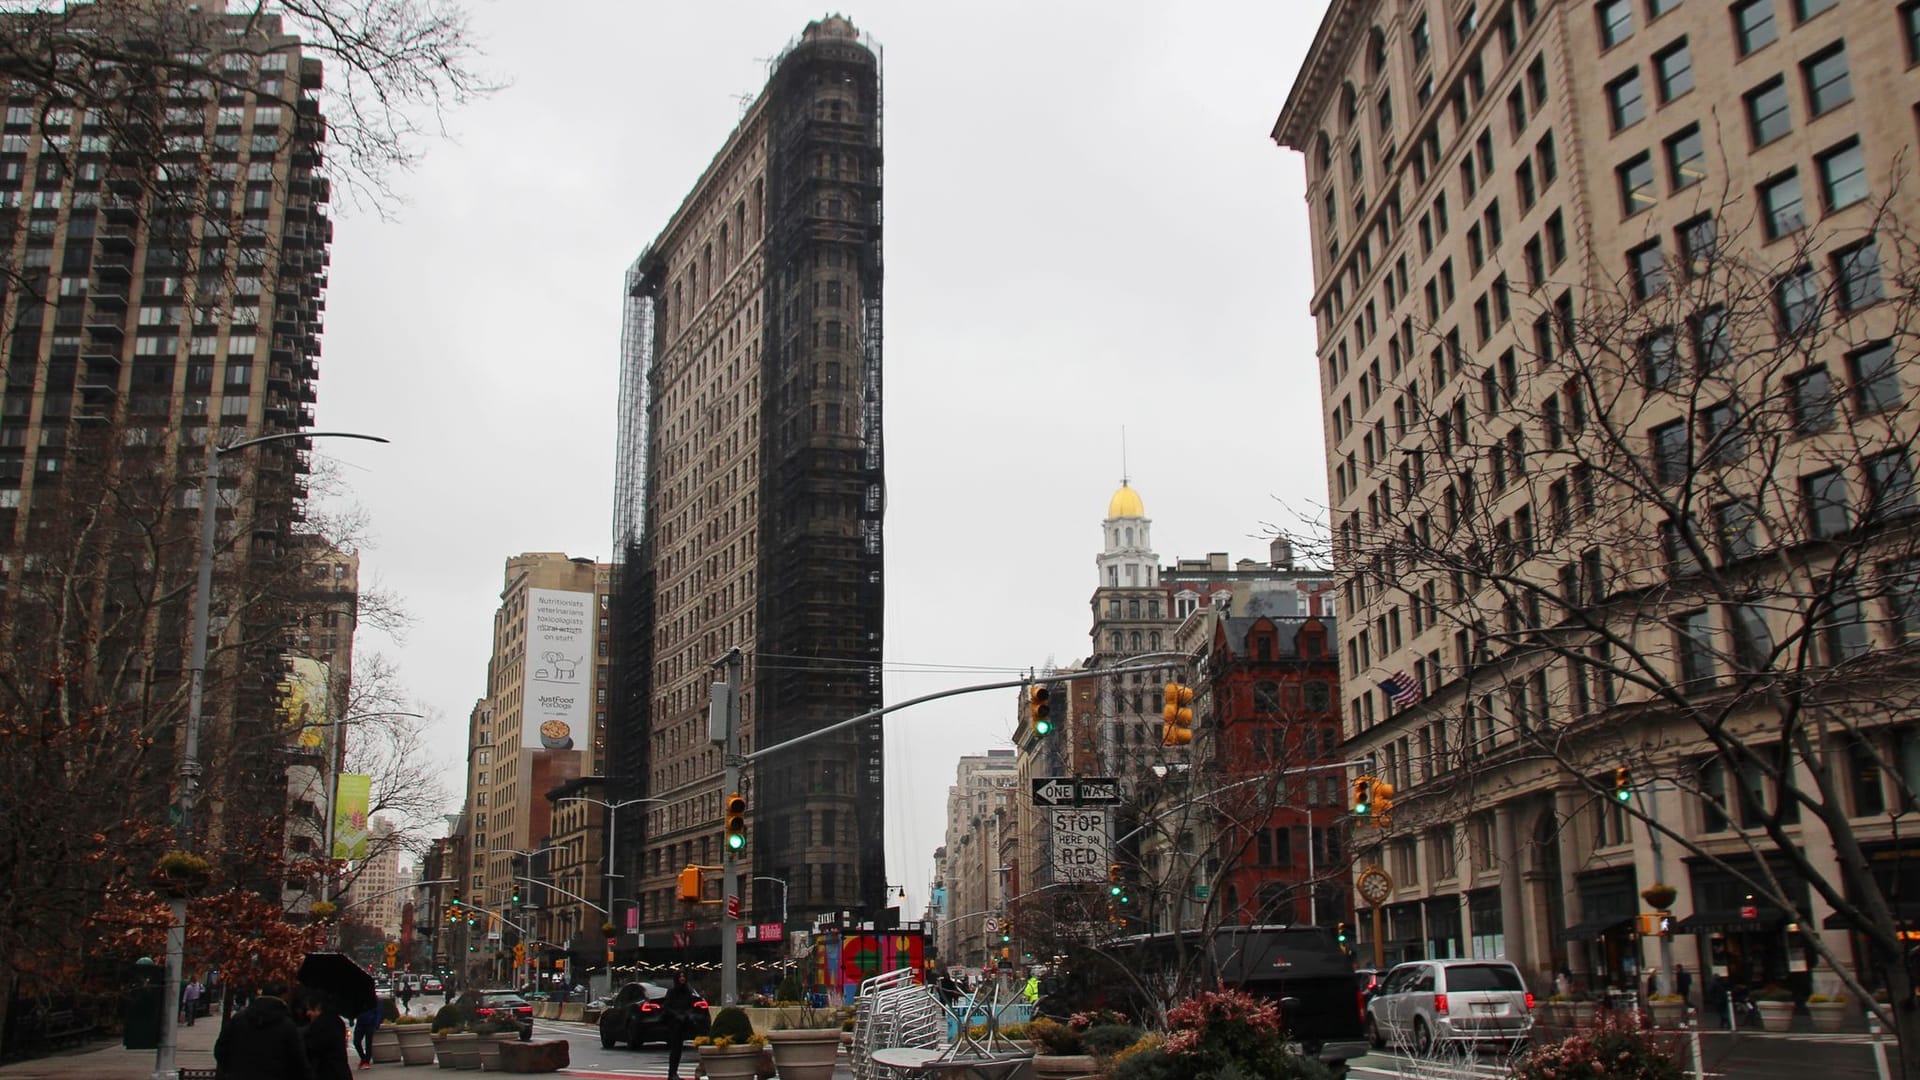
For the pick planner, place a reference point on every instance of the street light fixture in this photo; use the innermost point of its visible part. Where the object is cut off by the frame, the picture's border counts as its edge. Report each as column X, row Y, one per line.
column 613, row 825
column 163, row 1067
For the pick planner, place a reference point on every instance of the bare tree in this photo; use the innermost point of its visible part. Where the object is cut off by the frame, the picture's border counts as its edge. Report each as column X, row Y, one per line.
column 1676, row 536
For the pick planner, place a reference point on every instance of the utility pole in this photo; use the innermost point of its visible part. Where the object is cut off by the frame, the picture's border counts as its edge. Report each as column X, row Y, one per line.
column 723, row 726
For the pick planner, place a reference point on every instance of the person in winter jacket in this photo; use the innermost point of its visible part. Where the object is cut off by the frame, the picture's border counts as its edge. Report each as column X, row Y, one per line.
column 326, row 1040
column 261, row 1041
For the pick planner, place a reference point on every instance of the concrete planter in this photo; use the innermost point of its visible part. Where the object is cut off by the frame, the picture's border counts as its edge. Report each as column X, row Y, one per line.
column 490, row 1049
column 1775, row 1015
column 1582, row 1013
column 415, row 1042
column 1668, row 1014
column 1828, row 1015
column 730, row 1063
column 1064, row 1066
column 386, row 1046
column 459, row 1051
column 805, row 1053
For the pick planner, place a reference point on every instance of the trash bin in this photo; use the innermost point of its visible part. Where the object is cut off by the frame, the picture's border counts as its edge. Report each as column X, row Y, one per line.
column 142, row 1010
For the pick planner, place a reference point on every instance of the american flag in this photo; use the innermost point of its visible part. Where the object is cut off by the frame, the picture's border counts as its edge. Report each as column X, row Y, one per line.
column 1402, row 689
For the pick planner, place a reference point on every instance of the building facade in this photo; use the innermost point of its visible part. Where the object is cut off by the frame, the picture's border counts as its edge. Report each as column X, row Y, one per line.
column 978, row 805
column 375, row 894
column 749, row 502
column 1592, row 331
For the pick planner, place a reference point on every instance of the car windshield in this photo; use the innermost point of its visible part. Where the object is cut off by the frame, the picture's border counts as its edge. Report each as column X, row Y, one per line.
column 1483, row 977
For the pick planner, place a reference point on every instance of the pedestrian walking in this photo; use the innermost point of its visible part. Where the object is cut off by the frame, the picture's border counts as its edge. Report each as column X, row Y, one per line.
column 190, row 1000
column 261, row 1042
column 1717, row 997
column 678, row 1005
column 364, row 1026
column 325, row 1040
column 406, row 997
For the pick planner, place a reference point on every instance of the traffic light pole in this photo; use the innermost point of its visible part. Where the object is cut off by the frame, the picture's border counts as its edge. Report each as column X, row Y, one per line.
column 729, row 862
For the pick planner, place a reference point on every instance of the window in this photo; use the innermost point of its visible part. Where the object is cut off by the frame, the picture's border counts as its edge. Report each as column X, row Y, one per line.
column 1910, row 29
column 1752, row 640
column 1844, row 630
column 1735, row 528
column 1673, row 66
column 1857, row 270
column 1556, row 240
column 1699, row 244
column 1797, row 295
column 1658, row 361
column 1807, row 9
column 1625, row 100
column 1616, row 21
column 1768, row 117
column 1780, row 201
column 1890, row 484
column 1825, row 495
column 1863, row 772
column 1422, row 39
column 1811, row 392
column 1548, row 159
column 1876, row 378
column 1843, row 175
column 1686, row 158
column 1677, row 543
column 1693, row 647
column 1721, row 442
column 1636, row 185
column 1649, row 269
column 1670, row 452
column 1712, row 347
column 1828, row 84
column 1753, row 24
column 1903, row 599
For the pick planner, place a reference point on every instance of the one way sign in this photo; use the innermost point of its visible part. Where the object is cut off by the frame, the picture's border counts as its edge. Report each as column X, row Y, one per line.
column 1053, row 791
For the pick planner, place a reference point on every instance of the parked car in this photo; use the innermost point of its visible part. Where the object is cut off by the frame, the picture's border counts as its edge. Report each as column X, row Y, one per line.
column 1370, row 980
column 1463, row 1001
column 433, row 986
column 506, row 1005
column 634, row 1016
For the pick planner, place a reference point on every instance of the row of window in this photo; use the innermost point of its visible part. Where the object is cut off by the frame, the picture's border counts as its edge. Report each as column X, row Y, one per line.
column 1753, row 20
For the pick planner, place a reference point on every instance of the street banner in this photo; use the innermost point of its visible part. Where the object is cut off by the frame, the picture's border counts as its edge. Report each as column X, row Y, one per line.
column 350, row 815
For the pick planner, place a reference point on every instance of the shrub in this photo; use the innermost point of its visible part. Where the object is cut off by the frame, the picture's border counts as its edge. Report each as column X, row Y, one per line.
column 1108, row 1039
column 1826, row 999
column 1216, row 1031
column 1618, row 1049
column 1146, row 1062
column 450, row 1017
column 1055, row 1037
column 790, row 989
column 731, row 1023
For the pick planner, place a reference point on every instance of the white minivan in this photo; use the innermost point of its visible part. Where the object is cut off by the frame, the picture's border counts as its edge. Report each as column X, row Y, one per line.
column 1424, row 1002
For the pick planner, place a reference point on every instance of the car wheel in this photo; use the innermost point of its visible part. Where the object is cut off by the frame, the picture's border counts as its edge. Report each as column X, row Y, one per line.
column 1422, row 1036
column 1373, row 1033
column 606, row 1039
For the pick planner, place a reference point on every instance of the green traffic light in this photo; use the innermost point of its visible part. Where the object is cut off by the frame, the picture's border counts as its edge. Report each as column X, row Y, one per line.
column 736, row 841
column 1043, row 727
column 1624, row 795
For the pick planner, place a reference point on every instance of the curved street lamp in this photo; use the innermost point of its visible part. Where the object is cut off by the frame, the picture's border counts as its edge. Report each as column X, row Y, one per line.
column 164, row 1068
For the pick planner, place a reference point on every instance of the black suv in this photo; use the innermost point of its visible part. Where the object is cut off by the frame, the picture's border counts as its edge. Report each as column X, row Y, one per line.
column 636, row 1018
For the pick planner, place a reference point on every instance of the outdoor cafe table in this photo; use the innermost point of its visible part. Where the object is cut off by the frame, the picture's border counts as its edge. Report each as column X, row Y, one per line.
column 923, row 1063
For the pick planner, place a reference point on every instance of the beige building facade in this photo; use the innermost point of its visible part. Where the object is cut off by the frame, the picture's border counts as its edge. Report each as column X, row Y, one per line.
column 1534, row 225
column 980, row 808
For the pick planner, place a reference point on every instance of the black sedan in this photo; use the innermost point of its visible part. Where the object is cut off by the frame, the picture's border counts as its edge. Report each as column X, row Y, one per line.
column 635, row 1017
column 509, row 1006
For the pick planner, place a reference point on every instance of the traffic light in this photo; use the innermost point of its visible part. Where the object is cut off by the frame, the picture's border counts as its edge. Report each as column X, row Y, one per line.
column 516, row 894
column 1622, row 784
column 1176, row 715
column 690, row 885
column 1382, row 802
column 736, row 821
column 1005, row 937
column 1343, row 933
column 1362, row 796
column 1040, row 707
column 519, row 953
column 1114, row 885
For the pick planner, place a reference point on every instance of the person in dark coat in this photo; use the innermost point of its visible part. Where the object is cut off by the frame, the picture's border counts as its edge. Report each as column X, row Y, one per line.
column 678, row 1005
column 325, row 1040
column 1683, row 983
column 261, row 1041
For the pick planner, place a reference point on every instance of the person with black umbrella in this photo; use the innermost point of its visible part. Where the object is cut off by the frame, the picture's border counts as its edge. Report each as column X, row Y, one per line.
column 325, row 1038
column 261, row 1042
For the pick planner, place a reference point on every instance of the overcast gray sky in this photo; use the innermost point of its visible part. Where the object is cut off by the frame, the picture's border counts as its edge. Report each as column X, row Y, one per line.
column 1087, row 227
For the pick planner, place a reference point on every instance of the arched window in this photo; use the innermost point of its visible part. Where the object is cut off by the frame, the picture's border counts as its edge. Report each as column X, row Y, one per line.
column 1133, row 640
column 1323, row 153
column 1113, row 640
column 1153, row 641
column 1349, row 107
column 1376, row 53
column 1129, row 536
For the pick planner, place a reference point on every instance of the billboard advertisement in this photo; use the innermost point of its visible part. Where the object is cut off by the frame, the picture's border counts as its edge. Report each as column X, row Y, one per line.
column 350, row 815
column 303, row 701
column 557, row 710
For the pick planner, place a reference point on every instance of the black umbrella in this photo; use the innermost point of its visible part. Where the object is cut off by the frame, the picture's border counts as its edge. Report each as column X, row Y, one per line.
column 346, row 984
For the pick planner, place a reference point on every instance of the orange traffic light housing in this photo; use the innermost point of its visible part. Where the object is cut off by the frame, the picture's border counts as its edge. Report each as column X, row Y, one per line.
column 1362, row 796
column 736, row 835
column 1040, row 709
column 1623, row 784
column 690, row 885
column 1176, row 728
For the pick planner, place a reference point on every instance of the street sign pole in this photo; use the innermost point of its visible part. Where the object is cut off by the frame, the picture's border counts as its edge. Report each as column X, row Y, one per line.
column 729, row 866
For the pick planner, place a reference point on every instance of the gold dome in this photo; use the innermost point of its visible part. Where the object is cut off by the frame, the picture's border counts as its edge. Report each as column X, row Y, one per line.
column 1126, row 504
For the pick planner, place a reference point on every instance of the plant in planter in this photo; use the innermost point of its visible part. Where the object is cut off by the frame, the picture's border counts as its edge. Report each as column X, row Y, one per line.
column 1775, row 1003
column 181, row 874
column 805, row 1041
column 730, row 1050
column 1829, row 1011
column 1615, row 1050
column 1218, row 1033
column 1668, row 1009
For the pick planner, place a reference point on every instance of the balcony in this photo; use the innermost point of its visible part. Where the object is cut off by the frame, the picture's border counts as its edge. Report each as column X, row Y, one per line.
column 109, row 297
column 120, row 210
column 118, row 268
column 118, row 238
column 104, row 329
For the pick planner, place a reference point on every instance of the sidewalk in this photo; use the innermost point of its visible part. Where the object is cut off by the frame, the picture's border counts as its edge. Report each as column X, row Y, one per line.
column 109, row 1061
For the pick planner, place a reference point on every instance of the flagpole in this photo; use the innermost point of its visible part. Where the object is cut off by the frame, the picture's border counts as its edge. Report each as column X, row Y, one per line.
column 1313, row 891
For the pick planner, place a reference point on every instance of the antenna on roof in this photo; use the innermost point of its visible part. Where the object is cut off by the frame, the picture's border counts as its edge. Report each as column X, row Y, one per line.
column 1124, row 475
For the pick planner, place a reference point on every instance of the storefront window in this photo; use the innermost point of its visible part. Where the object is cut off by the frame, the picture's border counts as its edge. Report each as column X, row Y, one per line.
column 1488, row 926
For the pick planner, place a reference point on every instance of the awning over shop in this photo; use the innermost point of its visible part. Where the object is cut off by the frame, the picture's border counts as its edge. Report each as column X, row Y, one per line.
column 1906, row 913
column 1730, row 922
column 1592, row 928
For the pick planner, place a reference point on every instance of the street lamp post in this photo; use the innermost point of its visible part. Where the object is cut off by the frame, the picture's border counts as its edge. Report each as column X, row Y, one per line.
column 613, row 825
column 163, row 1066
column 783, row 901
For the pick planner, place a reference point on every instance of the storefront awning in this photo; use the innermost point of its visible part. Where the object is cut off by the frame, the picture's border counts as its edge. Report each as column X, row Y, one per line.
column 1592, row 928
column 1730, row 922
column 1906, row 914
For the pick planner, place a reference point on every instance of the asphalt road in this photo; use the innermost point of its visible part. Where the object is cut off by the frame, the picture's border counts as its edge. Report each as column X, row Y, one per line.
column 1745, row 1056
